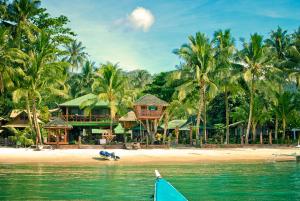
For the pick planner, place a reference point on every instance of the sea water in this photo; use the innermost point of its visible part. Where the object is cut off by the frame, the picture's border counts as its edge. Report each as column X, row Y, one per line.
column 111, row 182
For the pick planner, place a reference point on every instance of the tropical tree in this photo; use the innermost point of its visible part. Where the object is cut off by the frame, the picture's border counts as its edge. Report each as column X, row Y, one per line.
column 6, row 54
column 109, row 86
column 292, row 62
column 80, row 84
column 254, row 58
column 19, row 18
column 286, row 105
column 227, row 78
column 198, row 56
column 41, row 72
column 75, row 55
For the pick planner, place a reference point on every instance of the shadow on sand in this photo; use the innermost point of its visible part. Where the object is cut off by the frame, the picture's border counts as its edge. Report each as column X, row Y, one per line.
column 100, row 159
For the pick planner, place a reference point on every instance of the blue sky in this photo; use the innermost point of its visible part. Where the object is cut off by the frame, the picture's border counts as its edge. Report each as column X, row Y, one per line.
column 141, row 34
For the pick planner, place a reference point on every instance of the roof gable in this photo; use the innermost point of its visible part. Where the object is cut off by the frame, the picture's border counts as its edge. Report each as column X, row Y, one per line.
column 149, row 99
column 176, row 123
column 57, row 122
column 16, row 112
column 78, row 101
column 130, row 116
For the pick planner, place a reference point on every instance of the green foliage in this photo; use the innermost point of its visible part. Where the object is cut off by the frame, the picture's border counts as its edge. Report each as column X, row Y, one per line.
column 22, row 137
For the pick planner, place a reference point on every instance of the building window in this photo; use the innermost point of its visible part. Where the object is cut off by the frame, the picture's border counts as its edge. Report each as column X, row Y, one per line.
column 152, row 108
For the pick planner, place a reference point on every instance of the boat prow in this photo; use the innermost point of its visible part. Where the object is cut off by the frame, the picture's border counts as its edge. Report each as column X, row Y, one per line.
column 164, row 191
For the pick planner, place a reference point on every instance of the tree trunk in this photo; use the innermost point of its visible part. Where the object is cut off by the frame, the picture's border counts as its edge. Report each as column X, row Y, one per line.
column 283, row 128
column 250, row 111
column 204, row 117
column 177, row 134
column 276, row 128
column 199, row 116
column 191, row 135
column 253, row 133
column 29, row 113
column 36, row 123
column 227, row 116
column 261, row 137
column 166, row 127
column 270, row 137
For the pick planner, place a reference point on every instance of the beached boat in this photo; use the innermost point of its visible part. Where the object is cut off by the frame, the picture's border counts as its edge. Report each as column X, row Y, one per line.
column 108, row 156
column 164, row 191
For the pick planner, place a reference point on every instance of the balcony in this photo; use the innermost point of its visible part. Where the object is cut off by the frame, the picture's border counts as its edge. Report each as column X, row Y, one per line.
column 149, row 114
column 86, row 118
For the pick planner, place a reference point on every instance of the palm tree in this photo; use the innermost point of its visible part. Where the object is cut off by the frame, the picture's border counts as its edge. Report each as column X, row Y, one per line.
column 279, row 41
column 41, row 73
column 20, row 13
column 76, row 55
column 81, row 83
column 286, row 104
column 255, row 61
column 224, row 45
column 198, row 56
column 292, row 62
column 6, row 57
column 109, row 85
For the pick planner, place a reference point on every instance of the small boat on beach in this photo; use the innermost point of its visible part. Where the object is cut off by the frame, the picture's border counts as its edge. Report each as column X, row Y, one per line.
column 164, row 191
column 108, row 156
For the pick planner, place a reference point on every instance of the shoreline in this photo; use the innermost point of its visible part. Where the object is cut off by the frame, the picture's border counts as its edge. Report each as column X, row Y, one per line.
column 147, row 156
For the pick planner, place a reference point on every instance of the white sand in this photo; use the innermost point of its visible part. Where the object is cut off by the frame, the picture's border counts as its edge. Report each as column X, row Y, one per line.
column 90, row 156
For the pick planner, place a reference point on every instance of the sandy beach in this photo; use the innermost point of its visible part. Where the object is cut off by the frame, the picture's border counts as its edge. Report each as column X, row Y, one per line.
column 147, row 156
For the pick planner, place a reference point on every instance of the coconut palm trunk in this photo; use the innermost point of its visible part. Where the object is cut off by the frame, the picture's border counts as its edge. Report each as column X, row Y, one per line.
column 204, row 117
column 36, row 123
column 227, row 115
column 283, row 127
column 276, row 128
column 29, row 112
column 250, row 110
column 199, row 115
column 253, row 133
column 165, row 127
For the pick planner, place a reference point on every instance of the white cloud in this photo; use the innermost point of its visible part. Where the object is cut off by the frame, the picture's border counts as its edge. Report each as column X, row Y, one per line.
column 141, row 18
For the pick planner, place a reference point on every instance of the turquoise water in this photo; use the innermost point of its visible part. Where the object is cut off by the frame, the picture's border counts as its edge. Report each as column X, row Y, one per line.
column 261, row 181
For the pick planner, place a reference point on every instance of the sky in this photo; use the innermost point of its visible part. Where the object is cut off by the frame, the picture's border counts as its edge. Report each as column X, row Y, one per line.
column 142, row 34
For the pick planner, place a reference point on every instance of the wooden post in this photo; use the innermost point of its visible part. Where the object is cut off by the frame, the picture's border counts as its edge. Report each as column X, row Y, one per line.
column 57, row 139
column 66, row 135
column 270, row 137
column 177, row 134
column 261, row 137
column 191, row 135
column 49, row 133
column 67, row 114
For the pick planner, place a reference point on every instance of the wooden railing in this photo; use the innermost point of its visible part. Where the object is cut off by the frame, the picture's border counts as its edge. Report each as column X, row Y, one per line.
column 149, row 113
column 85, row 118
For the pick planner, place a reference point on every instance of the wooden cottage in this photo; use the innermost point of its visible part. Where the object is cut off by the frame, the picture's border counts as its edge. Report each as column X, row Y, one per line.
column 94, row 125
column 19, row 119
column 57, row 130
column 149, row 107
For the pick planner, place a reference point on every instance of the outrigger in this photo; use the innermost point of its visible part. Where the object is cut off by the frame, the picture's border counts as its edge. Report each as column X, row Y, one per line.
column 164, row 191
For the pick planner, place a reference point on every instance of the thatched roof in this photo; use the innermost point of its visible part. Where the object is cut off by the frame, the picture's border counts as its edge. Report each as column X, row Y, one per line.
column 149, row 99
column 58, row 122
column 16, row 112
column 130, row 116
